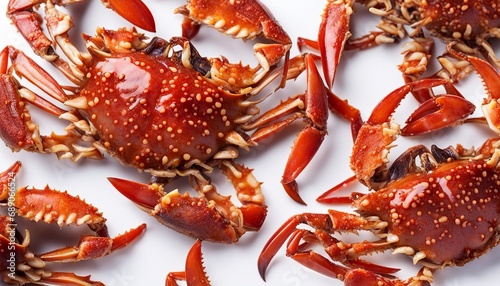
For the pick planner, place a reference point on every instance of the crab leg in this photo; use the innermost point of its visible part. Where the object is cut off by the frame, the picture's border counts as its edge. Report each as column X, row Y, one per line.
column 16, row 128
column 195, row 271
column 53, row 206
column 311, row 106
column 93, row 247
column 325, row 224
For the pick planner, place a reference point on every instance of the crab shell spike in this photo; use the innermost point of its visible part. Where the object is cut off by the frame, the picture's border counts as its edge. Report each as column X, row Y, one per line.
column 53, row 206
column 134, row 11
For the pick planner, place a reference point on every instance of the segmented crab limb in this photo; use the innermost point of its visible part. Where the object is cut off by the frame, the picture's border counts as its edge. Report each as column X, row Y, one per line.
column 329, row 223
column 311, row 106
column 34, row 73
column 345, row 253
column 242, row 19
column 192, row 216
column 68, row 279
column 248, row 192
column 347, row 111
column 18, row 130
column 94, row 247
column 195, row 271
column 491, row 82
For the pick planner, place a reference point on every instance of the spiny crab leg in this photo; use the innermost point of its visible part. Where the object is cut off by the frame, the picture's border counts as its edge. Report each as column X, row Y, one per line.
column 245, row 19
column 325, row 224
column 194, row 275
column 311, row 106
column 210, row 216
column 53, row 206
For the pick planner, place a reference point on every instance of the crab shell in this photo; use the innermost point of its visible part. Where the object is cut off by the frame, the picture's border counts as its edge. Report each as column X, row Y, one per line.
column 154, row 113
column 449, row 216
column 461, row 20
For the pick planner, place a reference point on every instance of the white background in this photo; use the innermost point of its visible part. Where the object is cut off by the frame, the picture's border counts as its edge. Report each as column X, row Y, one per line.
column 364, row 77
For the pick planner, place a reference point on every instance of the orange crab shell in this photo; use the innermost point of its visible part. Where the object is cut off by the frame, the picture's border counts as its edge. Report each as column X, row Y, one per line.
column 154, row 113
column 450, row 215
column 459, row 19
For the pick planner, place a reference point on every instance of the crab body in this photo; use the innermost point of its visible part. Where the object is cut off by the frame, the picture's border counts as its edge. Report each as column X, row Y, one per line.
column 154, row 113
column 466, row 21
column 449, row 215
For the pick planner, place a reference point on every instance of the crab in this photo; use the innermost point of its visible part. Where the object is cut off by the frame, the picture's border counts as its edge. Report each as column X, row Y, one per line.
column 160, row 107
column 471, row 24
column 439, row 206
column 19, row 264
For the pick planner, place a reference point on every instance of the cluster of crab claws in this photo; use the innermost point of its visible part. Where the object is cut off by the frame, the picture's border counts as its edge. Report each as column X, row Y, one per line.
column 19, row 264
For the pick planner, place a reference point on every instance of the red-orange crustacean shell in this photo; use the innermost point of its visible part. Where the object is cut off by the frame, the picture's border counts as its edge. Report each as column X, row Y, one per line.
column 152, row 110
column 450, row 214
column 466, row 19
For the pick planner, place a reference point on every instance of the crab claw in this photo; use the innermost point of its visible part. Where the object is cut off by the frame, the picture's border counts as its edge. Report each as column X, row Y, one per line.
column 59, row 207
column 241, row 19
column 195, row 271
column 438, row 112
column 191, row 216
column 491, row 80
column 380, row 129
column 93, row 247
column 134, row 11
column 333, row 34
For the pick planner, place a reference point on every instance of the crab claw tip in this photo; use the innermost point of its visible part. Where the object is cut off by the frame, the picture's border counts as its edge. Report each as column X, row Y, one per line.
column 146, row 196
